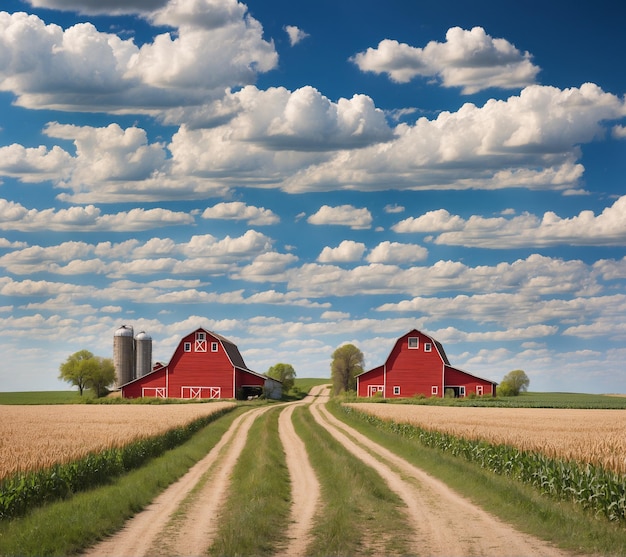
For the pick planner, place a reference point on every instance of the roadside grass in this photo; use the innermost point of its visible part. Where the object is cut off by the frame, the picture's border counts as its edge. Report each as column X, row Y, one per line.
column 524, row 400
column 45, row 397
column 70, row 526
column 561, row 523
column 255, row 518
column 359, row 514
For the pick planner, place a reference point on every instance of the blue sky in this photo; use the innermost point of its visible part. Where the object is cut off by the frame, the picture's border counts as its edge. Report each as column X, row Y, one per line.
column 295, row 176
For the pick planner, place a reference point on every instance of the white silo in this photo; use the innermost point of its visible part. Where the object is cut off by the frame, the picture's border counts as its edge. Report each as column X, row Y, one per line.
column 124, row 354
column 143, row 353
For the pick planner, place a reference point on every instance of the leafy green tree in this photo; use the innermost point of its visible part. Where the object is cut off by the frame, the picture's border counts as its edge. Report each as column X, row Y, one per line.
column 84, row 370
column 102, row 375
column 284, row 373
column 514, row 383
column 346, row 364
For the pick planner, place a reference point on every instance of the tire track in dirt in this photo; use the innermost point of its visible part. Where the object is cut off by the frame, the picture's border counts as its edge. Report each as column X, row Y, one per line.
column 305, row 488
column 444, row 523
column 150, row 532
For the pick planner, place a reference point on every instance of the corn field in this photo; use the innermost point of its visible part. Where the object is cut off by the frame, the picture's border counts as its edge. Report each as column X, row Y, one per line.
column 126, row 446
column 36, row 437
column 588, row 436
column 595, row 487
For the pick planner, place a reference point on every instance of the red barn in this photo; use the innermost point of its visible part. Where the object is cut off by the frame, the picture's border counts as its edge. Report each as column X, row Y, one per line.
column 204, row 365
column 418, row 365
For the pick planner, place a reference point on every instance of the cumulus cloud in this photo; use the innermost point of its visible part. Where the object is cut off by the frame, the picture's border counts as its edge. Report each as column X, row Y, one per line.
column 346, row 251
column 295, row 34
column 586, row 229
column 472, row 60
column 531, row 140
column 46, row 66
column 14, row 216
column 111, row 7
column 397, row 253
column 34, row 164
column 238, row 210
column 343, row 215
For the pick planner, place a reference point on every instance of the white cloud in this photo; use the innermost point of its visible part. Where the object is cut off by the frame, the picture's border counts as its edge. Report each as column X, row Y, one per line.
column 14, row 216
column 295, row 34
column 346, row 251
column 34, row 164
column 477, row 147
column 605, row 229
column 46, row 66
column 397, row 253
column 238, row 210
column 393, row 209
column 471, row 60
column 343, row 215
column 111, row 7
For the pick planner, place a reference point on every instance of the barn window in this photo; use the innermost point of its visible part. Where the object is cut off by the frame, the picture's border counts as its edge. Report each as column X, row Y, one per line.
column 187, row 347
column 200, row 336
column 396, row 390
column 214, row 347
column 414, row 342
column 428, row 347
column 462, row 390
column 479, row 390
column 434, row 390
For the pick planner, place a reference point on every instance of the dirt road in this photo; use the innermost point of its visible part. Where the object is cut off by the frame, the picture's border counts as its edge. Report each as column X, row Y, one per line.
column 181, row 521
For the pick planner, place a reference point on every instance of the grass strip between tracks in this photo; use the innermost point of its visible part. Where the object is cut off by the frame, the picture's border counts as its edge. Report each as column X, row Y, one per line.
column 67, row 527
column 359, row 514
column 559, row 522
column 255, row 518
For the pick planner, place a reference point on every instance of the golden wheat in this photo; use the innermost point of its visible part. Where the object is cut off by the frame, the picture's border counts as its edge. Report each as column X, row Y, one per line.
column 593, row 436
column 35, row 437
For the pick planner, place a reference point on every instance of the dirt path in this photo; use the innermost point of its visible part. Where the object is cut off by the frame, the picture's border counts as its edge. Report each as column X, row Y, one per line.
column 305, row 497
column 162, row 529
column 181, row 521
column 444, row 523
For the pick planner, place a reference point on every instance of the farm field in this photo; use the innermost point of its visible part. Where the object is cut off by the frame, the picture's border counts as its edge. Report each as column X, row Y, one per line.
column 39, row 436
column 590, row 436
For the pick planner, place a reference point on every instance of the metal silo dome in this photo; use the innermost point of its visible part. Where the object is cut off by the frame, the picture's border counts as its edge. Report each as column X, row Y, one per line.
column 124, row 331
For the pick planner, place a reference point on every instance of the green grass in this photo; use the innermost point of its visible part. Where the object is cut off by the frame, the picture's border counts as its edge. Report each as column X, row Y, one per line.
column 360, row 515
column 45, row 397
column 255, row 517
column 524, row 400
column 562, row 523
column 305, row 384
column 68, row 527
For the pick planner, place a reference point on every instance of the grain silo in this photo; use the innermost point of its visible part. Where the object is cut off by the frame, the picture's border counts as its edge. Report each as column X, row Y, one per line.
column 143, row 353
column 124, row 354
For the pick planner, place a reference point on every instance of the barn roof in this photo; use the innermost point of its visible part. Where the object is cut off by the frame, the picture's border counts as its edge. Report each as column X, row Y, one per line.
column 230, row 348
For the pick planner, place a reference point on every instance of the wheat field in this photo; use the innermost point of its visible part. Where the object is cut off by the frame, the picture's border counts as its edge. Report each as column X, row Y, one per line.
column 35, row 437
column 590, row 436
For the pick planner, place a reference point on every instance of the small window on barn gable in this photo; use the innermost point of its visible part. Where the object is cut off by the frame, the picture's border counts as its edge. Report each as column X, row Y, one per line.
column 214, row 347
column 414, row 342
column 187, row 347
column 428, row 347
column 200, row 336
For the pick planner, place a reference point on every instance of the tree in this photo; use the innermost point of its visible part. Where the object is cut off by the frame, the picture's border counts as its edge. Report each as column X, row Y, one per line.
column 84, row 370
column 513, row 383
column 347, row 363
column 102, row 375
column 284, row 373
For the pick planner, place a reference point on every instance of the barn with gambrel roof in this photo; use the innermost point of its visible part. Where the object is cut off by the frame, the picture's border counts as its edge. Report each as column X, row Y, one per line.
column 204, row 365
column 418, row 365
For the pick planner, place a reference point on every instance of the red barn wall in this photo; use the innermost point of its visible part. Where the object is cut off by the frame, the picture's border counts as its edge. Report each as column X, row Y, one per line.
column 456, row 378
column 152, row 381
column 414, row 370
column 373, row 378
column 200, row 367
